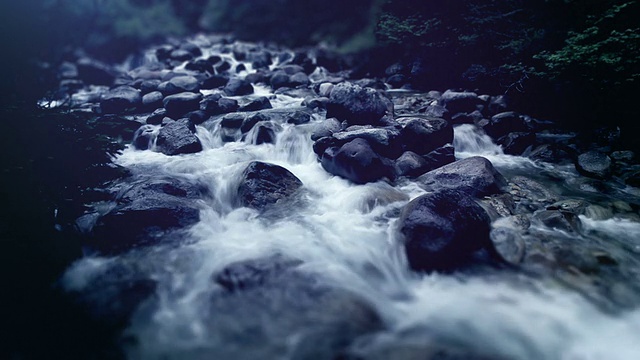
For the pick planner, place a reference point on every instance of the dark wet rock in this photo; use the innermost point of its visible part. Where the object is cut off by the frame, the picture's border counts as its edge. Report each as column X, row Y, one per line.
column 298, row 79
column 318, row 103
column 157, row 116
column 152, row 100
column 197, row 117
column 238, row 87
column 594, row 164
column 257, row 77
column 148, row 86
column 94, row 72
column 425, row 135
column 499, row 205
column 624, row 156
column 263, row 132
column 551, row 153
column 531, row 193
column 440, row 157
column 265, row 184
column 357, row 161
column 115, row 126
column 574, row 206
column 257, row 104
column 200, row 65
column 559, row 220
column 516, row 143
column 384, row 141
column 144, row 136
column 120, row 100
column 112, row 297
column 325, row 89
column 442, row 230
column 251, row 120
column 633, row 179
column 299, row 118
column 436, row 111
column 326, row 128
column 288, row 303
column 220, row 106
column 256, row 272
column 176, row 138
column 179, row 104
column 279, row 79
column 410, row 164
column 460, row 102
column 474, row 176
column 146, row 214
column 357, row 105
column 214, row 82
column 467, row 118
column 186, row 122
column 191, row 47
column 509, row 244
column 223, row 67
column 396, row 81
column 501, row 124
column 179, row 84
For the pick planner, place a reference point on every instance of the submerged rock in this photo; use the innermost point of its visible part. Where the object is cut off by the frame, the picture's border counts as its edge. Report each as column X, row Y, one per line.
column 442, row 230
column 265, row 184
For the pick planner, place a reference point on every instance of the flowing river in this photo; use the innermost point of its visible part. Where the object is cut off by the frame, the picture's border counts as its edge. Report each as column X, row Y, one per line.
column 345, row 236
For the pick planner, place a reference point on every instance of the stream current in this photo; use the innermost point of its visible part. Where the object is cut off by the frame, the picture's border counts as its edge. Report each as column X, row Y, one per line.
column 345, row 235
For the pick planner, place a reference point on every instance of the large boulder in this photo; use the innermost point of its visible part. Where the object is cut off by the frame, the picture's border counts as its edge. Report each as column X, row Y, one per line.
column 176, row 138
column 594, row 164
column 120, row 100
column 147, row 213
column 474, row 176
column 422, row 136
column 357, row 105
column 442, row 230
column 357, row 161
column 265, row 184
column 178, row 105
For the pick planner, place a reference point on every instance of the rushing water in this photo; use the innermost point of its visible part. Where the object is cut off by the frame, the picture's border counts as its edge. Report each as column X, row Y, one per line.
column 345, row 235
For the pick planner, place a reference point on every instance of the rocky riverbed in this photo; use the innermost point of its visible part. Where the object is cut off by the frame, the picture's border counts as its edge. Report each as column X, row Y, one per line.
column 262, row 202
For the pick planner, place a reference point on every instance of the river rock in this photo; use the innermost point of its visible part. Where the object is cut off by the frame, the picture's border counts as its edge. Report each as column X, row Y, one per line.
column 326, row 129
column 474, row 176
column 95, row 72
column 257, row 104
column 410, row 164
column 263, row 132
column 179, row 104
column 144, row 136
column 219, row 105
column 265, row 184
column 238, row 87
column 460, row 102
column 298, row 118
column 440, row 157
column 559, row 220
column 179, row 84
column 152, row 100
column 516, row 143
column 214, row 82
column 357, row 105
column 507, row 122
column 384, row 141
column 157, row 116
column 279, row 79
column 594, row 164
column 425, row 135
column 176, row 138
column 280, row 303
column 120, row 100
column 441, row 230
column 200, row 65
column 253, row 273
column 145, row 214
column 357, row 161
